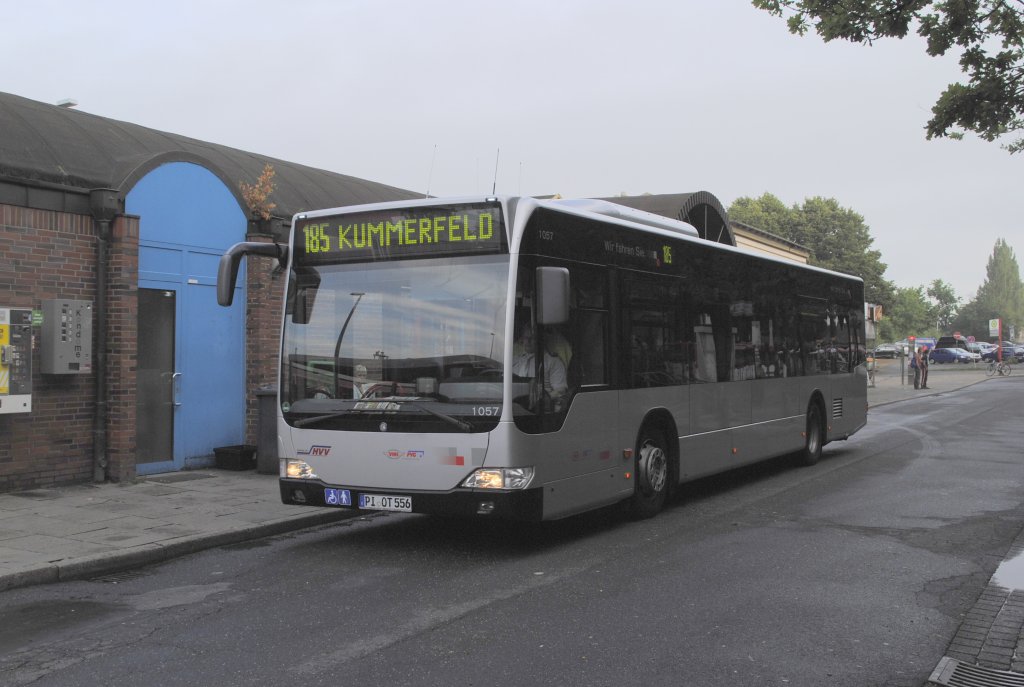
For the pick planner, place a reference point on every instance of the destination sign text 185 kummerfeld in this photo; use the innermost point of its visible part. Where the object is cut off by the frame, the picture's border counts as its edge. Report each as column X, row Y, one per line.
column 400, row 233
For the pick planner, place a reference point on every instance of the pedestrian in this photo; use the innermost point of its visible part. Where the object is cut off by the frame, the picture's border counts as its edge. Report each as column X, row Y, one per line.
column 924, row 368
column 915, row 365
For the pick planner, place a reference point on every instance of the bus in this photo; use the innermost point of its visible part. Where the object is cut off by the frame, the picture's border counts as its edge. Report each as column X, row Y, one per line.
column 532, row 359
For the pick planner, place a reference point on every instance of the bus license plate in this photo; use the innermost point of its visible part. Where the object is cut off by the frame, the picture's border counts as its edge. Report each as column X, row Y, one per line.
column 399, row 504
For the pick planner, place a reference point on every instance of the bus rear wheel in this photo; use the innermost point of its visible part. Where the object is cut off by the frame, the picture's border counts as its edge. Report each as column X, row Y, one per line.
column 814, row 436
column 652, row 474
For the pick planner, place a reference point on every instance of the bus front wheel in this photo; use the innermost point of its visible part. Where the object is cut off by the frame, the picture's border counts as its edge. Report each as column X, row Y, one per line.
column 652, row 474
column 814, row 436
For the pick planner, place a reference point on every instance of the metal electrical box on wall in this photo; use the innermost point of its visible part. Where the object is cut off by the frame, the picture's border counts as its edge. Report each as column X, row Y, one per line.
column 66, row 337
column 15, row 360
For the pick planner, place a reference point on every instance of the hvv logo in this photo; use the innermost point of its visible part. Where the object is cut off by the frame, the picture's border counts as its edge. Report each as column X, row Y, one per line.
column 316, row 451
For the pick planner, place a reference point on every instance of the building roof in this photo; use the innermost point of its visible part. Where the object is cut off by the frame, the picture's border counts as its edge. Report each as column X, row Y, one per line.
column 793, row 246
column 701, row 209
column 50, row 156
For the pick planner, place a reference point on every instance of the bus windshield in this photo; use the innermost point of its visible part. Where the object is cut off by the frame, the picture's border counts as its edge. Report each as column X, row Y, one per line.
column 414, row 343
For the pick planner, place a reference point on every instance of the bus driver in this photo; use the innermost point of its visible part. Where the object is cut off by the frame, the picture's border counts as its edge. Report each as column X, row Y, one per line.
column 524, row 365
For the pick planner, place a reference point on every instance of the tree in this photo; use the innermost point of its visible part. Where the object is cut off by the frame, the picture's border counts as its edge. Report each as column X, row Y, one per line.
column 767, row 213
column 1001, row 296
column 946, row 305
column 989, row 34
column 972, row 320
column 837, row 237
column 910, row 314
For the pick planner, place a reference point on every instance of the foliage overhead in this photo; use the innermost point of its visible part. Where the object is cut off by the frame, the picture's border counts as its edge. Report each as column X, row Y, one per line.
column 987, row 34
column 837, row 237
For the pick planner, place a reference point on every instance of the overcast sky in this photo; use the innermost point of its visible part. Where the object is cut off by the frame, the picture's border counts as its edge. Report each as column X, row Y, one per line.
column 582, row 97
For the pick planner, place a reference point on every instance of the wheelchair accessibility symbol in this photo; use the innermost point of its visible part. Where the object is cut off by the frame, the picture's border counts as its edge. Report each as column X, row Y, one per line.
column 337, row 497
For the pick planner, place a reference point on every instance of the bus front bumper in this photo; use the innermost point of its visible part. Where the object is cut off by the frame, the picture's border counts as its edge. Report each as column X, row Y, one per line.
column 525, row 504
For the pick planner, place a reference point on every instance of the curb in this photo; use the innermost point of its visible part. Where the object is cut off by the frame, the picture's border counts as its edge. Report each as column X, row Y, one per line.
column 931, row 392
column 107, row 563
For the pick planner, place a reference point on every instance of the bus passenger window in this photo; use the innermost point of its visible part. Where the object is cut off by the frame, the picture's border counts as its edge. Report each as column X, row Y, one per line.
column 592, row 355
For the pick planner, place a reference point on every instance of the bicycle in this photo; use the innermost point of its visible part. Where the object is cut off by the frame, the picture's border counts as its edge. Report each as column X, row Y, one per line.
column 1002, row 367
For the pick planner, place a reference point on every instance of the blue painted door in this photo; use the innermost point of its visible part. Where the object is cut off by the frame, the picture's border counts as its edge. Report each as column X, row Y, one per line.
column 187, row 219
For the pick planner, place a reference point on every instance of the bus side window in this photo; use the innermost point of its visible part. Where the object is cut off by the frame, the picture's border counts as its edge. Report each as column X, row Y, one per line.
column 591, row 363
column 589, row 332
column 653, row 327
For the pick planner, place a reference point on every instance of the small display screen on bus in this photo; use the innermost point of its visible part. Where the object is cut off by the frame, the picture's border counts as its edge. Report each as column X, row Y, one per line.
column 429, row 231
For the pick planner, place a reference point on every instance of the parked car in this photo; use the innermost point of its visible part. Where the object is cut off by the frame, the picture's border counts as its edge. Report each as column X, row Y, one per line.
column 950, row 355
column 985, row 347
column 975, row 357
column 951, row 342
column 978, row 347
column 887, row 350
column 1008, row 352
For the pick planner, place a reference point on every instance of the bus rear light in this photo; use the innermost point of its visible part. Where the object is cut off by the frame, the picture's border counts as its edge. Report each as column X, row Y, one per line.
column 627, row 453
column 499, row 478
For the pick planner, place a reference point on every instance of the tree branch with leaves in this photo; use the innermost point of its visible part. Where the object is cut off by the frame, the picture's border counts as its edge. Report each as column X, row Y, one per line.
column 989, row 34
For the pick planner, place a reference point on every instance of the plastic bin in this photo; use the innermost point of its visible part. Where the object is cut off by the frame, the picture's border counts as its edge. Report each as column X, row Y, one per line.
column 241, row 457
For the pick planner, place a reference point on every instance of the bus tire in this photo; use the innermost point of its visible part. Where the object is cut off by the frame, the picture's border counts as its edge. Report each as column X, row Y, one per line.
column 653, row 472
column 814, row 435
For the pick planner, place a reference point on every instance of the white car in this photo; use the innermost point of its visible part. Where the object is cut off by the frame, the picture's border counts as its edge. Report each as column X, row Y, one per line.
column 974, row 356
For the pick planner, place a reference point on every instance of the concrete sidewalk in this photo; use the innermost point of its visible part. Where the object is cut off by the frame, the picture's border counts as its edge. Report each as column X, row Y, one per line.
column 47, row 535
column 86, row 530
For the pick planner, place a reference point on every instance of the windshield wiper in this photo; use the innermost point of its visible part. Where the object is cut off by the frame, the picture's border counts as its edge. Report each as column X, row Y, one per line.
column 320, row 418
column 461, row 424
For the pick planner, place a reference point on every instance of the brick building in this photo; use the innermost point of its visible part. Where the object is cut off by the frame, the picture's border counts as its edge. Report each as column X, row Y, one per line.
column 113, row 226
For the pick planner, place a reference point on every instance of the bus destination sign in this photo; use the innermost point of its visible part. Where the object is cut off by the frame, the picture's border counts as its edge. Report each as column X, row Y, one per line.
column 430, row 231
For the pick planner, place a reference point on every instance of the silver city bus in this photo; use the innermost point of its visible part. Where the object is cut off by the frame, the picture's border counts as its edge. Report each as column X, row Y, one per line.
column 533, row 359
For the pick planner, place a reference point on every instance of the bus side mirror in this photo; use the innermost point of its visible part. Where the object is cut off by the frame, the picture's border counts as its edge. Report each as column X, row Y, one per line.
column 227, row 270
column 552, row 295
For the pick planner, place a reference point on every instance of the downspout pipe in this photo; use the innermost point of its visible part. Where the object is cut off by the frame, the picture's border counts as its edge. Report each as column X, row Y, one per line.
column 104, row 205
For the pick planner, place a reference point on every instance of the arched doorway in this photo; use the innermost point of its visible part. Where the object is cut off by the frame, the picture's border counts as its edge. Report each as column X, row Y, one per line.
column 191, row 352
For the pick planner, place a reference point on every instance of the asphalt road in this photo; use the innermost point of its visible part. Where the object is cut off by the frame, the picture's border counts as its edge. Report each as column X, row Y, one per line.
column 855, row 572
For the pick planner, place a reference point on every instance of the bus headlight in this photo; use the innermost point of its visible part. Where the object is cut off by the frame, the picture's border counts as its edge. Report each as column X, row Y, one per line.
column 500, row 478
column 297, row 469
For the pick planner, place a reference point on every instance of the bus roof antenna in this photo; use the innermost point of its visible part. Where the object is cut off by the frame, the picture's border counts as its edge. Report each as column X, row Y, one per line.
column 494, row 186
column 431, row 175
